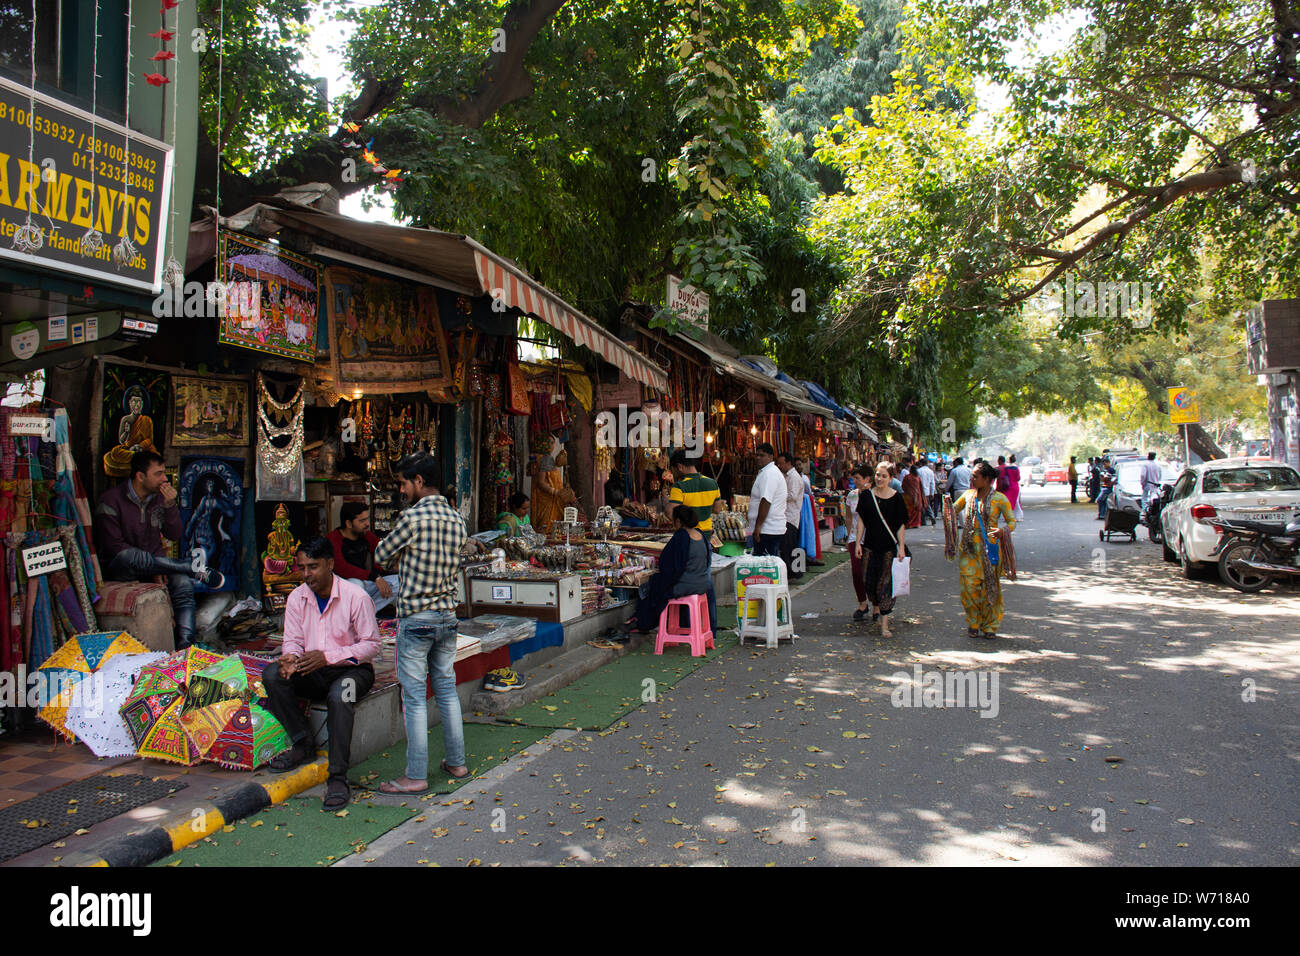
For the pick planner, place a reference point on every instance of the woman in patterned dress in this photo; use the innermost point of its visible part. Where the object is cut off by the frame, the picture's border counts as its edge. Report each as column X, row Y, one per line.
column 969, row 542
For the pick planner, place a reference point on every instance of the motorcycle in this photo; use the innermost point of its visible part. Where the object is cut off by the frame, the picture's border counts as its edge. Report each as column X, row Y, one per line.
column 1254, row 553
column 1151, row 513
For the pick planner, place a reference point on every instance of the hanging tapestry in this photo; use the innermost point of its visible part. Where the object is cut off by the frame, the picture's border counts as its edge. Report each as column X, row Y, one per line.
column 280, row 474
column 212, row 503
column 385, row 336
column 271, row 298
column 135, row 415
column 209, row 411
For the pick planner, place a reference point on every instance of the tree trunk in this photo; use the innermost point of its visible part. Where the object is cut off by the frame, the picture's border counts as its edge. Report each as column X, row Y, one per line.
column 1203, row 444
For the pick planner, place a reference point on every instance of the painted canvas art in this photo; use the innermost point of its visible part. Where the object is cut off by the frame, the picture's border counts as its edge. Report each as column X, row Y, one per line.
column 212, row 508
column 281, row 319
column 384, row 332
column 209, row 411
column 134, row 416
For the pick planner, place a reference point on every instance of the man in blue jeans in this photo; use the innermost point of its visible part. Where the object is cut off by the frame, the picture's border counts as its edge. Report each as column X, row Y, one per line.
column 130, row 522
column 424, row 546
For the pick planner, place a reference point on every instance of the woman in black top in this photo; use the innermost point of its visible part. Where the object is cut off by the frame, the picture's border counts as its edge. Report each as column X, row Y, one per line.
column 881, row 519
column 683, row 569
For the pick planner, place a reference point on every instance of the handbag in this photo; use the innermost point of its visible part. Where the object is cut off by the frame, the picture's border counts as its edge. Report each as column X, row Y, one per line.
column 900, row 570
column 994, row 551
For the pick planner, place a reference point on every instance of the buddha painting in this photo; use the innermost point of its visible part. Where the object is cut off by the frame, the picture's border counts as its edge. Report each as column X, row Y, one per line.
column 134, row 433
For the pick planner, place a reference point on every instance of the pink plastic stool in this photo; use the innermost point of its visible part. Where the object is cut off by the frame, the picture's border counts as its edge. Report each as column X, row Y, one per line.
column 697, row 634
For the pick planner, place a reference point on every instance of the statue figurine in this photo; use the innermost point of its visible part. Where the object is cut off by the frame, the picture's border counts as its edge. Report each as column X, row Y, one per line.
column 278, row 573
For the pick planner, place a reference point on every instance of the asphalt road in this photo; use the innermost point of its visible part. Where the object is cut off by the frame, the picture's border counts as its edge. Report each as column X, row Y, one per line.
column 1138, row 719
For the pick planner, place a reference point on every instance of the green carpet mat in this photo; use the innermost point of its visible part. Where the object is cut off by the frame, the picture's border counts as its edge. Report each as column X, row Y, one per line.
column 598, row 700
column 299, row 833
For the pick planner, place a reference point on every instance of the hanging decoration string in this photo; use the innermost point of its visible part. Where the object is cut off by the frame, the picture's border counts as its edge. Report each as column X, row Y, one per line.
column 221, row 51
column 30, row 238
column 92, row 241
column 173, row 272
column 124, row 252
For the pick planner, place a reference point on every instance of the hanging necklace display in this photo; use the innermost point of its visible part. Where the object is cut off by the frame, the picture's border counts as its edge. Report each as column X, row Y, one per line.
column 280, row 474
column 30, row 237
column 124, row 252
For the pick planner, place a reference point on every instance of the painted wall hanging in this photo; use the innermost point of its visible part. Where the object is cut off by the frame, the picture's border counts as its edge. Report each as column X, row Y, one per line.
column 385, row 336
column 282, row 319
column 209, row 411
column 211, row 503
column 135, row 415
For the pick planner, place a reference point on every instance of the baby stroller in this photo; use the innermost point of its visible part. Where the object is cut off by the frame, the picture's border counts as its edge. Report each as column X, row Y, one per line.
column 1123, row 514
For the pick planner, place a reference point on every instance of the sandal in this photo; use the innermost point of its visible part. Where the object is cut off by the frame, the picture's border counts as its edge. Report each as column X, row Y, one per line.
column 336, row 795
column 973, row 632
column 390, row 786
column 988, row 635
column 442, row 765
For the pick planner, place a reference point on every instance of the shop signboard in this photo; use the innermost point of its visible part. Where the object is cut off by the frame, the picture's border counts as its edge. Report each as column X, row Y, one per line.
column 28, row 426
column 688, row 302
column 67, row 172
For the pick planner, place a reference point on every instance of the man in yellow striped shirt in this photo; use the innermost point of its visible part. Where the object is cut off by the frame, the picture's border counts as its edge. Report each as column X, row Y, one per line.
column 693, row 489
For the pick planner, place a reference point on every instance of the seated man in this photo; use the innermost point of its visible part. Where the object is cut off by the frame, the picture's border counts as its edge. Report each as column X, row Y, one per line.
column 354, row 555
column 129, row 524
column 518, row 517
column 326, row 655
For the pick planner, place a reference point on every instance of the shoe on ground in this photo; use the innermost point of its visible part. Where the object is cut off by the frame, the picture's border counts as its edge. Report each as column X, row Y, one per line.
column 507, row 681
column 291, row 759
column 337, row 794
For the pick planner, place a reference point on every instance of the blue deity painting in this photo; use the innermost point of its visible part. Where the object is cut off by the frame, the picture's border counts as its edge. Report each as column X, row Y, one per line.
column 212, row 505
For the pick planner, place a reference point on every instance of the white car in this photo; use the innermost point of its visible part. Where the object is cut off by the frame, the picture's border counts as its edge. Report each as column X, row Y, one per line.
column 1250, row 489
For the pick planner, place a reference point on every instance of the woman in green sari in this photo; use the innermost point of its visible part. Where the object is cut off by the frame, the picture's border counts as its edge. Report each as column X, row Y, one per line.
column 513, row 521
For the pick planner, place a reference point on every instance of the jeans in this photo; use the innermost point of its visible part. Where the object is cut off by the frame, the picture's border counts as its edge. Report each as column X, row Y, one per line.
column 331, row 683
column 1074, row 492
column 372, row 589
column 426, row 645
column 1101, row 502
column 136, row 564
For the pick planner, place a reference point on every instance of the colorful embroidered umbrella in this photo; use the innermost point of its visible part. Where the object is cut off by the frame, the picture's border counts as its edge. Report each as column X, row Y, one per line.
column 98, row 722
column 64, row 672
column 223, row 719
column 152, row 711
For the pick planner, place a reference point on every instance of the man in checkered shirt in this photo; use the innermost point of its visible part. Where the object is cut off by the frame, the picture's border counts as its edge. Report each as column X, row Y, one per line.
column 424, row 546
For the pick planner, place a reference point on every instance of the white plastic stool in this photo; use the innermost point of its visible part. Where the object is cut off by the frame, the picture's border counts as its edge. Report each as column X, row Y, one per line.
column 766, row 623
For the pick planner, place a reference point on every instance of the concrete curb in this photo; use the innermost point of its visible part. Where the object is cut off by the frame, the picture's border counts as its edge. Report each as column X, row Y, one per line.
column 180, row 828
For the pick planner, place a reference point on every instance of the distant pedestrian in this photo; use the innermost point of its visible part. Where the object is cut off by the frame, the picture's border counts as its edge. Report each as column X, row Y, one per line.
column 1094, row 479
column 861, row 477
column 983, row 550
column 913, row 496
column 1073, row 475
column 766, row 523
column 1013, row 487
column 928, row 489
column 958, row 479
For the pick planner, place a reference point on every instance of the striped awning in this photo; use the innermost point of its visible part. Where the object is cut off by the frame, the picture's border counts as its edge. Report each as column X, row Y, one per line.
column 511, row 285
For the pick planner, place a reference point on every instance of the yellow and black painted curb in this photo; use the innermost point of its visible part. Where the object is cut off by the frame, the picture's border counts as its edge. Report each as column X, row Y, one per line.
column 180, row 828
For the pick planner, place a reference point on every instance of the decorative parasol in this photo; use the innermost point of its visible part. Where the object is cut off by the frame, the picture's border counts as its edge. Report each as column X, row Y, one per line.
column 152, row 711
column 223, row 719
column 64, row 671
column 266, row 267
column 100, row 726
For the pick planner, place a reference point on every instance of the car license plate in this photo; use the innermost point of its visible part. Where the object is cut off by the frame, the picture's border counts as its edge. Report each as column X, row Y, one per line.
column 1274, row 516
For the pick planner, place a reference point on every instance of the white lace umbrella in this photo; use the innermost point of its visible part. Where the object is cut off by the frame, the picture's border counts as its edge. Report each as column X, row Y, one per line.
column 96, row 717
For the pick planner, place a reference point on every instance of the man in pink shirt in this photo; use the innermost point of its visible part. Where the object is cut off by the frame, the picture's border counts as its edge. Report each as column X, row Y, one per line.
column 330, row 637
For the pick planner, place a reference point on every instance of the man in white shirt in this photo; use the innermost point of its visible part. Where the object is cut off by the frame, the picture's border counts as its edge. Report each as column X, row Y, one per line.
column 958, row 479
column 1151, row 476
column 767, row 504
column 793, row 509
column 926, row 474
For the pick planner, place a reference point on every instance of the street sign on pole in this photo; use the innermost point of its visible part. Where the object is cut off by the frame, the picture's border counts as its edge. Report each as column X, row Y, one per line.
column 1184, row 409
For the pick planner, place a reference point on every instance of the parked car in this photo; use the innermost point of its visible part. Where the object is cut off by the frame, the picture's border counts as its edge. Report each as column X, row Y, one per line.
column 1057, row 473
column 1248, row 489
column 1037, row 471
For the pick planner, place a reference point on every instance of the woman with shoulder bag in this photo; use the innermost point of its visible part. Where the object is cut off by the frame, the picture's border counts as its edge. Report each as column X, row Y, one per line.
column 880, row 529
